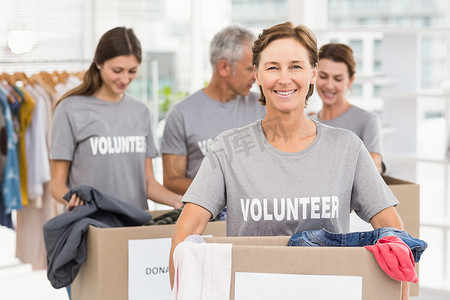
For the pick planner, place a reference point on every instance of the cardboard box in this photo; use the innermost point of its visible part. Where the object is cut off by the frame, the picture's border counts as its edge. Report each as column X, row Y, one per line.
column 270, row 255
column 408, row 194
column 104, row 274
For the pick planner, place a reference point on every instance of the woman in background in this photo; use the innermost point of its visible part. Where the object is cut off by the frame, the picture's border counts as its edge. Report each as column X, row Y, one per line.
column 336, row 75
column 285, row 173
column 101, row 136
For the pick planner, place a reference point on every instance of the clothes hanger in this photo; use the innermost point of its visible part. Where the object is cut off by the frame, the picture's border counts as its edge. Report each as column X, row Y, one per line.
column 9, row 79
column 47, row 78
column 24, row 78
column 11, row 86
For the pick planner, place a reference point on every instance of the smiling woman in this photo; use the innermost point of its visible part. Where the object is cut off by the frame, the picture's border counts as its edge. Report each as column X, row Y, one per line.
column 337, row 69
column 286, row 173
column 116, row 73
column 101, row 136
column 98, row 128
column 285, row 76
column 286, row 70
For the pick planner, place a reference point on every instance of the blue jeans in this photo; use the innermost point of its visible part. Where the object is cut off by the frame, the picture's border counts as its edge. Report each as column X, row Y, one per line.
column 325, row 238
column 222, row 215
column 69, row 292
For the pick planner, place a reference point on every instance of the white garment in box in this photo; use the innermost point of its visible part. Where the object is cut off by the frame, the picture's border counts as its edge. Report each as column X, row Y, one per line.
column 268, row 286
column 202, row 270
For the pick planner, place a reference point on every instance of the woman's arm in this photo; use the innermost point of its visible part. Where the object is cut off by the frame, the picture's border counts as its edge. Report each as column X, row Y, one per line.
column 377, row 159
column 157, row 192
column 193, row 220
column 389, row 217
column 59, row 170
column 174, row 170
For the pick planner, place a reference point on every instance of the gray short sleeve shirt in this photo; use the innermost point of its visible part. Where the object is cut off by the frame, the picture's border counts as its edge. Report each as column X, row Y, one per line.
column 269, row 192
column 365, row 124
column 107, row 144
column 193, row 123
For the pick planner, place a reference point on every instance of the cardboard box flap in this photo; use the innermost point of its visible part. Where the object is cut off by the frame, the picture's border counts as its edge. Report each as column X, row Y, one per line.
column 251, row 240
column 408, row 195
column 396, row 181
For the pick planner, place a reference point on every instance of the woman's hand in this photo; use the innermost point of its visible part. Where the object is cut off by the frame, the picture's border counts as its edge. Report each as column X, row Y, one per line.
column 177, row 203
column 74, row 202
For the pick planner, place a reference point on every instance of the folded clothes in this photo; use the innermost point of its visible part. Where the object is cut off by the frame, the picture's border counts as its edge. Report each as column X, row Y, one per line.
column 395, row 258
column 65, row 235
column 324, row 238
column 170, row 217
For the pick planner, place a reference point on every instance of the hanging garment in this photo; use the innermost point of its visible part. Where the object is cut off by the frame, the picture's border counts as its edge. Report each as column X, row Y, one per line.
column 25, row 115
column 30, row 246
column 65, row 235
column 5, row 219
column 3, row 144
column 11, row 193
column 49, row 108
column 38, row 164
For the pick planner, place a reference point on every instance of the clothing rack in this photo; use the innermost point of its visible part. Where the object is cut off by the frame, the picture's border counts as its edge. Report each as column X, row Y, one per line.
column 30, row 99
column 35, row 66
column 149, row 70
column 52, row 61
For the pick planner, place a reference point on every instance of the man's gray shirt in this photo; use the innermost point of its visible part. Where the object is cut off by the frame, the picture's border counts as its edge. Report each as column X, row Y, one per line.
column 193, row 123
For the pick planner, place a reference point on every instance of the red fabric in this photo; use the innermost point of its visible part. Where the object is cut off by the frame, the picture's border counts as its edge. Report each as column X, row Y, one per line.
column 395, row 258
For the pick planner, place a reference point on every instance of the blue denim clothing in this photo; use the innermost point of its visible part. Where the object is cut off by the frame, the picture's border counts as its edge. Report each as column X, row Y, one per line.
column 5, row 218
column 222, row 215
column 69, row 292
column 325, row 238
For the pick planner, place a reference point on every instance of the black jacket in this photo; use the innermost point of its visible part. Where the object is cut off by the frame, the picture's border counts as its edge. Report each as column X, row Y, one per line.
column 65, row 235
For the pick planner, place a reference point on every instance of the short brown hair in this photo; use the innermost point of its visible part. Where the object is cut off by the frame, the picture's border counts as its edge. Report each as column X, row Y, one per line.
column 300, row 33
column 339, row 53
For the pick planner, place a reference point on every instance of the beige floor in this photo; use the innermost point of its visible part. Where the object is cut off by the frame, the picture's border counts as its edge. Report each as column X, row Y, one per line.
column 18, row 281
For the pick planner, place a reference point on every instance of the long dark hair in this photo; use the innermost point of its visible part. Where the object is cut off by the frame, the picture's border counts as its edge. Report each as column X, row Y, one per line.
column 115, row 42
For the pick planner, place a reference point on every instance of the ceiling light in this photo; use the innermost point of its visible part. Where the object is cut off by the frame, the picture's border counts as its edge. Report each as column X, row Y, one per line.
column 20, row 41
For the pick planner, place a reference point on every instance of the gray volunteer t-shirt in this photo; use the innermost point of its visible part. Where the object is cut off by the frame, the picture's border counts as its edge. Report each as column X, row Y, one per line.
column 107, row 144
column 193, row 123
column 365, row 124
column 269, row 192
